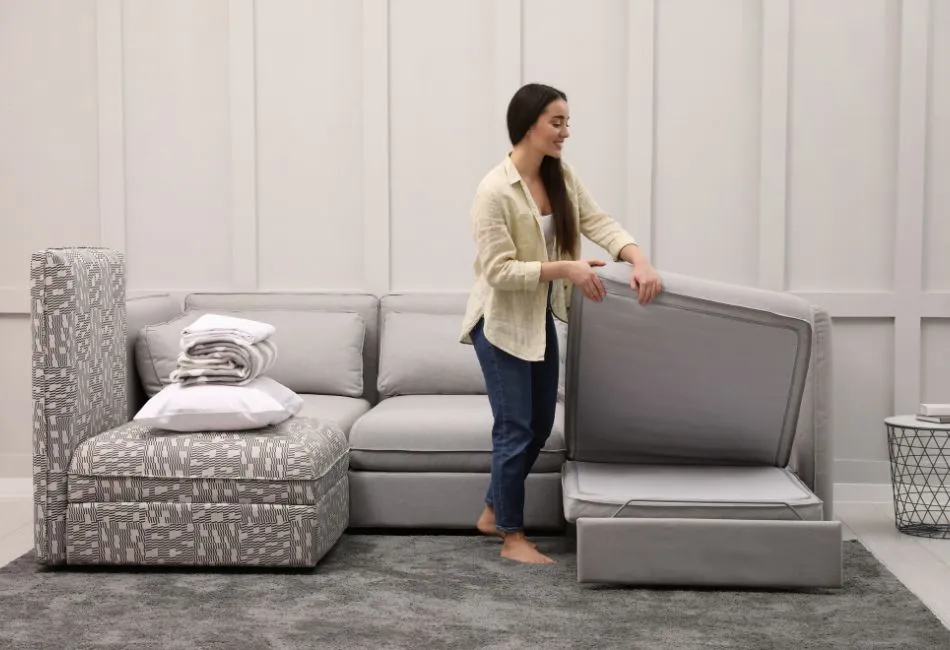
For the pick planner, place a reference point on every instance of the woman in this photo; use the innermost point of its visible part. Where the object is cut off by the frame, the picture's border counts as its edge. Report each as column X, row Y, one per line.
column 527, row 217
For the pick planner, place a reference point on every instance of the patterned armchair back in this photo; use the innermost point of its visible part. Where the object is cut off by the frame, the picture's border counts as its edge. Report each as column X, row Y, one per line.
column 79, row 372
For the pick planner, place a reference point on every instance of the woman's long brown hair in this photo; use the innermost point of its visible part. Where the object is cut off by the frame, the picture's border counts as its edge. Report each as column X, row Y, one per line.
column 524, row 109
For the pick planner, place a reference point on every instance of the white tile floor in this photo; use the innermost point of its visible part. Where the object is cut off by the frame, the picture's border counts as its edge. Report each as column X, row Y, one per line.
column 923, row 565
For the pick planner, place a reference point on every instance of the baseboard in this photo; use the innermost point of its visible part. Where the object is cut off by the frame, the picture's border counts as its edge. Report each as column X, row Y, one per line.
column 863, row 493
column 861, row 471
column 16, row 466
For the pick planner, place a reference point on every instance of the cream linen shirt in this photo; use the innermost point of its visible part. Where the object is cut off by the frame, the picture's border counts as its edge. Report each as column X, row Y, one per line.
column 510, row 248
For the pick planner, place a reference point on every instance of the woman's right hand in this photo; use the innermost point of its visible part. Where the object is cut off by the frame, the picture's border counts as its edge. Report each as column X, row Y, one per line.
column 582, row 275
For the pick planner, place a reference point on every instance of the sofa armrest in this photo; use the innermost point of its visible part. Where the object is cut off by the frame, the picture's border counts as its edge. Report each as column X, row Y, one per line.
column 79, row 372
column 813, row 451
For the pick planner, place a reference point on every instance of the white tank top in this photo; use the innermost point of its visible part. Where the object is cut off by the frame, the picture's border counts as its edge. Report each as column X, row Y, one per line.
column 547, row 226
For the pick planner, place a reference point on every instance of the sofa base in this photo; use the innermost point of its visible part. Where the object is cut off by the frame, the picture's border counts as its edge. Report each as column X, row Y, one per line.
column 206, row 534
column 444, row 500
column 709, row 552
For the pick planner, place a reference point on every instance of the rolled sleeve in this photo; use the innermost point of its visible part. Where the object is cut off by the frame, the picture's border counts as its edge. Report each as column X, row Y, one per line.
column 495, row 248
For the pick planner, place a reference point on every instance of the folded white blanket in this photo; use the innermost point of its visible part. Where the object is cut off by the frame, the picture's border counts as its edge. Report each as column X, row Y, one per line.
column 224, row 361
column 209, row 326
column 224, row 349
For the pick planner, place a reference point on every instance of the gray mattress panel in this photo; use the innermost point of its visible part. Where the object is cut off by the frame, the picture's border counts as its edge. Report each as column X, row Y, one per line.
column 707, row 373
column 605, row 490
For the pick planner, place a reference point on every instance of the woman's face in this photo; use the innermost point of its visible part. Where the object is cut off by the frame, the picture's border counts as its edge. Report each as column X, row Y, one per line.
column 548, row 134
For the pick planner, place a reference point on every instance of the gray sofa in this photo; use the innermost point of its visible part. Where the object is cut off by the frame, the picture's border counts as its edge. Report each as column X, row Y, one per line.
column 395, row 431
column 391, row 374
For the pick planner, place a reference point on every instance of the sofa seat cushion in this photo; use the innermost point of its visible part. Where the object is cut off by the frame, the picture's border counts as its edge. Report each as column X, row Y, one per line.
column 342, row 411
column 437, row 433
column 685, row 491
column 294, row 462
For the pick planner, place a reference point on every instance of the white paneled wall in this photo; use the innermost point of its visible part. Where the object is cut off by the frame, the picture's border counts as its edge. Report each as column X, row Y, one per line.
column 441, row 105
column 176, row 106
column 708, row 99
column 335, row 145
column 305, row 83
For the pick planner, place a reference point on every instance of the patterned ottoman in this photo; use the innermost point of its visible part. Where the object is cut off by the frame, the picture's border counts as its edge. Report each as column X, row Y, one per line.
column 276, row 496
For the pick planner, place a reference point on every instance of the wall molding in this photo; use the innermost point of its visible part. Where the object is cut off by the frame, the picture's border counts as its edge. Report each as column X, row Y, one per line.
column 377, row 269
column 507, row 59
column 641, row 121
column 773, row 143
column 913, row 80
column 14, row 300
column 111, row 144
column 243, row 117
column 111, row 124
column 935, row 304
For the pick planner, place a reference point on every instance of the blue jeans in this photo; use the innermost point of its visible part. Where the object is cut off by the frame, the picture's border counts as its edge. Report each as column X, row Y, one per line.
column 523, row 398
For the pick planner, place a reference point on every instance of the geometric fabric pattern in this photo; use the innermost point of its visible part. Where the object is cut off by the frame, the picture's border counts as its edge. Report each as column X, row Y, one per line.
column 298, row 448
column 78, row 324
column 207, row 534
column 110, row 491
column 293, row 462
column 920, row 476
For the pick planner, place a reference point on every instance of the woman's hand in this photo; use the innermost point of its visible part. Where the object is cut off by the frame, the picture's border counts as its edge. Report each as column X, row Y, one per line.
column 646, row 282
column 582, row 275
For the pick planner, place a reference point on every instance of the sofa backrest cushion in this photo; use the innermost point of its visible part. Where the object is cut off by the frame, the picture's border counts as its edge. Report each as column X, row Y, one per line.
column 319, row 350
column 364, row 304
column 141, row 312
column 420, row 352
column 708, row 372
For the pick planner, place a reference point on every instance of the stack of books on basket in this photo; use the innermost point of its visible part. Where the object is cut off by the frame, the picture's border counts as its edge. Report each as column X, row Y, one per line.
column 935, row 413
column 221, row 381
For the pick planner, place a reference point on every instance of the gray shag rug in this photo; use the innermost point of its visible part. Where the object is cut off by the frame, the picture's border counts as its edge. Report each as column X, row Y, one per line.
column 444, row 591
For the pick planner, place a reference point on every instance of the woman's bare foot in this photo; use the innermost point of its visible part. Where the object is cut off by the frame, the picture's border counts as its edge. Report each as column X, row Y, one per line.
column 519, row 549
column 486, row 524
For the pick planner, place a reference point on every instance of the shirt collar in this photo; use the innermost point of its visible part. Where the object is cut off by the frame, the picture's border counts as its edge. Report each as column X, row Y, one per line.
column 511, row 172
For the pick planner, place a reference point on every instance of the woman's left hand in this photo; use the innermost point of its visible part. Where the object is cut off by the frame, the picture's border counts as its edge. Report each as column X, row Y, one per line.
column 646, row 281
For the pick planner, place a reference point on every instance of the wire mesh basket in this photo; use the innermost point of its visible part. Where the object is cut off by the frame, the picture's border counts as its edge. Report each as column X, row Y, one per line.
column 920, row 476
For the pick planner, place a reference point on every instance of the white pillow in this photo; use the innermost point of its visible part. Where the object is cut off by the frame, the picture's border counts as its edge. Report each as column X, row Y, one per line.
column 220, row 407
